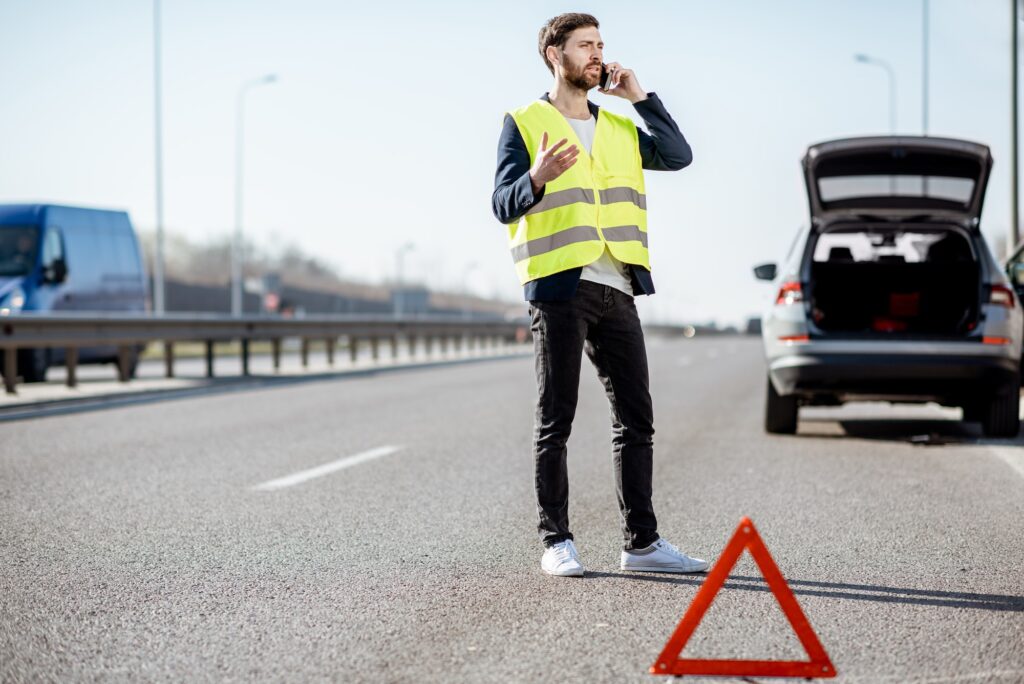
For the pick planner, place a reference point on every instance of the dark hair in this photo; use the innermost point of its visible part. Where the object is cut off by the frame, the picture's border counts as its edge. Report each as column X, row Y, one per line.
column 556, row 31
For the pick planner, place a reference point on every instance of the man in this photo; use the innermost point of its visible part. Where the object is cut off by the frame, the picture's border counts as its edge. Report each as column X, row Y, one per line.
column 570, row 187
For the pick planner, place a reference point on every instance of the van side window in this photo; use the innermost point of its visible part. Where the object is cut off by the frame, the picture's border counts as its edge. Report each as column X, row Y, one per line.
column 53, row 249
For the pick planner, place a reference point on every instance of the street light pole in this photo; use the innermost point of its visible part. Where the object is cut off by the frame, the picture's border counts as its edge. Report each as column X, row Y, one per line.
column 399, row 284
column 1014, row 200
column 465, row 288
column 866, row 59
column 158, row 257
column 924, row 69
column 236, row 243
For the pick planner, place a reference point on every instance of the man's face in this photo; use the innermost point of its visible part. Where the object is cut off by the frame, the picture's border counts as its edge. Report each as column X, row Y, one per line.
column 582, row 57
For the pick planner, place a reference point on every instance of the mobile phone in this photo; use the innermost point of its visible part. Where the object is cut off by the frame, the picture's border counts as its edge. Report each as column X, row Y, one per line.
column 606, row 78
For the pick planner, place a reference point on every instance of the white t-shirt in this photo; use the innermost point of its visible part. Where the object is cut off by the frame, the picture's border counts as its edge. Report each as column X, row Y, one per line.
column 607, row 270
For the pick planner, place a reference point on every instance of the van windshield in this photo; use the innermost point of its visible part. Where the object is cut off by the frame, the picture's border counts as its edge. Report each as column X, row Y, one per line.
column 18, row 245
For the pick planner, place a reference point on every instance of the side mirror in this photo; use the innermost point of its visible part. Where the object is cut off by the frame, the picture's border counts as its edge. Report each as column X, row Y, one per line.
column 765, row 271
column 1016, row 273
column 57, row 272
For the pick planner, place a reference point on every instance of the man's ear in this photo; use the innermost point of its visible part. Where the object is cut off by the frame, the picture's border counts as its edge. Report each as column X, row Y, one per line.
column 554, row 55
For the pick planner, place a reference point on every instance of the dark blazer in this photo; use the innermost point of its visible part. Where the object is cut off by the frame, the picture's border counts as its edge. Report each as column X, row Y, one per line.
column 664, row 149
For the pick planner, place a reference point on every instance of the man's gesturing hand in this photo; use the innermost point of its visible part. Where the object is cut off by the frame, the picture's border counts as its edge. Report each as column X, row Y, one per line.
column 550, row 163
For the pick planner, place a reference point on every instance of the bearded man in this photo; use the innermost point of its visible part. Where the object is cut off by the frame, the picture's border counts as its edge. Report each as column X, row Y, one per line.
column 569, row 186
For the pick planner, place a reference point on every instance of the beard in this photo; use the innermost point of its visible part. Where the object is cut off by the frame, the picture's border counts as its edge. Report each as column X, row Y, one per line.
column 577, row 75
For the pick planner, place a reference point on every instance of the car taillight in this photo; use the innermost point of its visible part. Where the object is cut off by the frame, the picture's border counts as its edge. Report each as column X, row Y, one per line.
column 790, row 293
column 1001, row 296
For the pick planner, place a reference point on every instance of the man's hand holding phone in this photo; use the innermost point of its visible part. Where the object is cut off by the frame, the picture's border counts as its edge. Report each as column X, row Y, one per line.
column 549, row 163
column 620, row 82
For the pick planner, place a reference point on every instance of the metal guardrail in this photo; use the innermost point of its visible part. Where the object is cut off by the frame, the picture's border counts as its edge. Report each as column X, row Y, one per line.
column 127, row 331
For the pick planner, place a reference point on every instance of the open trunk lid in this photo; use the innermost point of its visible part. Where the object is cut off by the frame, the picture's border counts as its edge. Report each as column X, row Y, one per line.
column 897, row 178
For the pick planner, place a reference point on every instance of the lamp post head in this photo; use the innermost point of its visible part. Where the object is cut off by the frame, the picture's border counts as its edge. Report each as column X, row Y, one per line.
column 861, row 58
column 269, row 78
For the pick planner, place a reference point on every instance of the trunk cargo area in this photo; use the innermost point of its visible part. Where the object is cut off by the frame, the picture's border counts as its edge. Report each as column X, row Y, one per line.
column 894, row 284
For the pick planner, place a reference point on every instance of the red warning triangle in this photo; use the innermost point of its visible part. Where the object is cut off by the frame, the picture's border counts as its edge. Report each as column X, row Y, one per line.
column 745, row 538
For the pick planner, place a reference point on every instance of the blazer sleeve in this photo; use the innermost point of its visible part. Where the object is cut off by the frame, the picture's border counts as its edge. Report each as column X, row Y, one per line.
column 513, row 193
column 664, row 148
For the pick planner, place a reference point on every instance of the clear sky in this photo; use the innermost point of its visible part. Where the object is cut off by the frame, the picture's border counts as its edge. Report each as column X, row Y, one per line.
column 383, row 126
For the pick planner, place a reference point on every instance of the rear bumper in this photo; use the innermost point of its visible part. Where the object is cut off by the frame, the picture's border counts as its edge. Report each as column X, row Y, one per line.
column 894, row 376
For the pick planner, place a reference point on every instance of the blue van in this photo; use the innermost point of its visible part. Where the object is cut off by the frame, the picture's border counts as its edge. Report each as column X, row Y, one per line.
column 56, row 259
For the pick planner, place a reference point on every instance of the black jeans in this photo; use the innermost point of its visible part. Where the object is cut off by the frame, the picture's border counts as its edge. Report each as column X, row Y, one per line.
column 603, row 321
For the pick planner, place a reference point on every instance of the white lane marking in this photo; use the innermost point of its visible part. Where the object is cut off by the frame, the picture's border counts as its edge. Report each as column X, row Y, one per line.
column 940, row 679
column 684, row 361
column 1012, row 457
column 325, row 469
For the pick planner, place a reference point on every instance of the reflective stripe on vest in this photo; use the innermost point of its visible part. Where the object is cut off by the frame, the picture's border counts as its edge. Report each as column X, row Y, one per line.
column 597, row 204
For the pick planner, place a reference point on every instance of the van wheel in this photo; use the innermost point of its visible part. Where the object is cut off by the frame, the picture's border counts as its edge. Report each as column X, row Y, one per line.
column 1002, row 415
column 33, row 364
column 780, row 412
column 133, row 364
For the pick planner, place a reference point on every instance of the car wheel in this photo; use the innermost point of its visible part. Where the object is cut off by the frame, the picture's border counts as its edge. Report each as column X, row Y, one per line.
column 780, row 413
column 33, row 364
column 1002, row 415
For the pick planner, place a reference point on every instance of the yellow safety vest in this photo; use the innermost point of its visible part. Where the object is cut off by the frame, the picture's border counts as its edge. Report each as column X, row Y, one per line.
column 598, row 202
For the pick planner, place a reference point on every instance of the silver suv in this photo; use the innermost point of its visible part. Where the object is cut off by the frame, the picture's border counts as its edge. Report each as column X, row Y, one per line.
column 892, row 293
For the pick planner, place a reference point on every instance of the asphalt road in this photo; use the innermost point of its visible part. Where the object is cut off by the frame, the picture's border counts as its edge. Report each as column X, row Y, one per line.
column 157, row 542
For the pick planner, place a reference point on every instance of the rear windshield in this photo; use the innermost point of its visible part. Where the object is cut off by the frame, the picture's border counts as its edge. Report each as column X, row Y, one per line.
column 897, row 177
column 892, row 246
column 18, row 246
column 954, row 190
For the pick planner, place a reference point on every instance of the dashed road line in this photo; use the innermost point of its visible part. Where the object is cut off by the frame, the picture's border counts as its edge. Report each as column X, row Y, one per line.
column 325, row 469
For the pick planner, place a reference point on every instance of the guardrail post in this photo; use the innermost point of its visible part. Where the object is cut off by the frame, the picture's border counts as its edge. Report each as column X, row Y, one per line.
column 122, row 363
column 10, row 369
column 169, row 359
column 245, row 356
column 353, row 349
column 374, row 350
column 428, row 345
column 209, row 358
column 412, row 346
column 444, row 345
column 275, row 346
column 305, row 353
column 331, row 343
column 71, row 363
column 394, row 347
column 457, row 343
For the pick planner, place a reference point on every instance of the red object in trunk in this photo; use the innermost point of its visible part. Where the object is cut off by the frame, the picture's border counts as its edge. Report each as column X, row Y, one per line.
column 888, row 325
column 904, row 305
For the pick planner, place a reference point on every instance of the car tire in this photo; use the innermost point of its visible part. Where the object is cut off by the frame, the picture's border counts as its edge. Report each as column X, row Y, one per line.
column 1002, row 415
column 33, row 364
column 780, row 413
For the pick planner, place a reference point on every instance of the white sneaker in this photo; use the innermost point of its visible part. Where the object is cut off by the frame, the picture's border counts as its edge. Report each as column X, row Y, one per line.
column 661, row 557
column 562, row 559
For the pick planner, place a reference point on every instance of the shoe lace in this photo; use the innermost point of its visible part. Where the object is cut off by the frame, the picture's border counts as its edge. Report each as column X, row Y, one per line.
column 564, row 551
column 667, row 546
